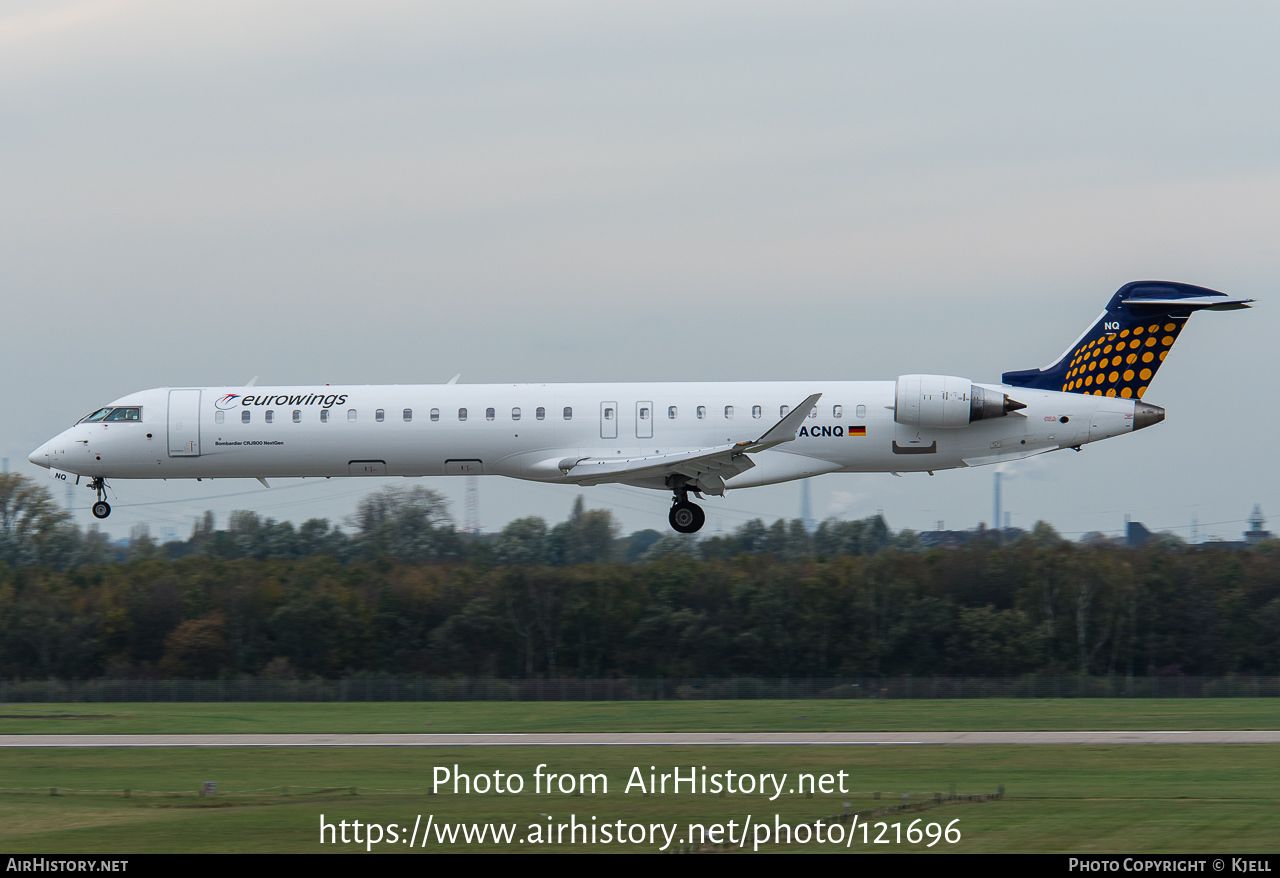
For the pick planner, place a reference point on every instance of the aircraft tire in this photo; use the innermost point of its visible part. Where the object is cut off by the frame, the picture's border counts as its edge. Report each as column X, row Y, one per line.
column 101, row 509
column 687, row 518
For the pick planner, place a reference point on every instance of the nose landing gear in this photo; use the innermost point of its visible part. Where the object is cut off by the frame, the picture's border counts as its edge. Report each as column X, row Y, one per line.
column 102, row 508
column 685, row 517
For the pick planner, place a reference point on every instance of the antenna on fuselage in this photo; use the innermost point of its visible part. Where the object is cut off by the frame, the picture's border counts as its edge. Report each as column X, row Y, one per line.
column 454, row 379
column 252, row 381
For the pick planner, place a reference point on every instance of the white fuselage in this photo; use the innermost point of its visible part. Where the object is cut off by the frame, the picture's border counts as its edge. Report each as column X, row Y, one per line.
column 266, row 432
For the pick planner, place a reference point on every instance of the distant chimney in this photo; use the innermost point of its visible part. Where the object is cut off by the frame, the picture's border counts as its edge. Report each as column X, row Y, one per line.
column 995, row 519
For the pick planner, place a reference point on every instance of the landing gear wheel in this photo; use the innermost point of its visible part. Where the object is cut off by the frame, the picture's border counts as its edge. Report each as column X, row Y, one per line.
column 102, row 508
column 687, row 518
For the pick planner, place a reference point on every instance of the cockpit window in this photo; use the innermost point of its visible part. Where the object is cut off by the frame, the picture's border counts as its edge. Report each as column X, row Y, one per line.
column 130, row 413
column 115, row 413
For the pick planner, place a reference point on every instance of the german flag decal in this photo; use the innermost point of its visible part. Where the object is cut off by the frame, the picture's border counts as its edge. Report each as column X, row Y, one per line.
column 857, row 431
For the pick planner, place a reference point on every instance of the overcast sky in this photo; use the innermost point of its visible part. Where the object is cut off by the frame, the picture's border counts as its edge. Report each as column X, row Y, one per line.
column 311, row 192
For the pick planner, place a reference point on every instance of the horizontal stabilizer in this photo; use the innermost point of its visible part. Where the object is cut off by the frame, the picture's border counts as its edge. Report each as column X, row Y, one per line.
column 1192, row 303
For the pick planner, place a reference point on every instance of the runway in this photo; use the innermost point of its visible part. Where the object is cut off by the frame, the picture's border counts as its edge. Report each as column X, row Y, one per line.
column 659, row 739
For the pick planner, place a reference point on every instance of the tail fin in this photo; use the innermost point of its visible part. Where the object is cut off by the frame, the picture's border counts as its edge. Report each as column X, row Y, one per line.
column 1120, row 353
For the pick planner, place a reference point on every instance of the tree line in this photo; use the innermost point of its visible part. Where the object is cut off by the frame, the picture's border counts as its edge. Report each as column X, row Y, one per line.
column 399, row 590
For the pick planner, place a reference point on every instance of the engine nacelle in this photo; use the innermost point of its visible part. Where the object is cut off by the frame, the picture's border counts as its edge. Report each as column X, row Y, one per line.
column 945, row 401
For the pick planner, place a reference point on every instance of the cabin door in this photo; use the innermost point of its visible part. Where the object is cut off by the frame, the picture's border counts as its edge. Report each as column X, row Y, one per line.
column 184, row 423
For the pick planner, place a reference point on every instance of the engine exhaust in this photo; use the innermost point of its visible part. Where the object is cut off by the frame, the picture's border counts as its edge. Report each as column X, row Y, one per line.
column 986, row 404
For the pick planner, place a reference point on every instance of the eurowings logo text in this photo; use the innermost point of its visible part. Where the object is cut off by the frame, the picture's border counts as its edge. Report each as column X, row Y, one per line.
column 227, row 402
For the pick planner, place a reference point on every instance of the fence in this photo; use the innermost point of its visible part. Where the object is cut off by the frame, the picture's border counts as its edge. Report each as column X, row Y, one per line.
column 632, row 689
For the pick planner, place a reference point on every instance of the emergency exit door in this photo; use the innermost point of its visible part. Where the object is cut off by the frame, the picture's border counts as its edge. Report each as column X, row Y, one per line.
column 184, row 423
column 608, row 420
column 644, row 420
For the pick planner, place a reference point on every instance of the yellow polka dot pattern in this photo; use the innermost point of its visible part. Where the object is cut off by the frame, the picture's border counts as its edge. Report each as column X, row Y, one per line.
column 1094, row 366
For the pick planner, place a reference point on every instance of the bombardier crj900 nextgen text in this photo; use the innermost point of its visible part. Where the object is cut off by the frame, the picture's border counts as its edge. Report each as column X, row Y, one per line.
column 686, row 438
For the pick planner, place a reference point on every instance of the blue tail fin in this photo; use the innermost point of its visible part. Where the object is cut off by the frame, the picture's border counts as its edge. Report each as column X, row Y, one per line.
column 1120, row 353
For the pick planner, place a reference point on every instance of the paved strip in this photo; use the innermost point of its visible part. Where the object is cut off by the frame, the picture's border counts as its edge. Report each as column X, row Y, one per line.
column 634, row 739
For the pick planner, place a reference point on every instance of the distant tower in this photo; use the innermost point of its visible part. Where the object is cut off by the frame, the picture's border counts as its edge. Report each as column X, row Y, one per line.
column 1195, row 530
column 6, row 465
column 995, row 518
column 471, row 524
column 1256, row 532
column 806, row 510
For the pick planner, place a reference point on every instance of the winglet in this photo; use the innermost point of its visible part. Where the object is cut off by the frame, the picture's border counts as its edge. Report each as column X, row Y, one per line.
column 785, row 430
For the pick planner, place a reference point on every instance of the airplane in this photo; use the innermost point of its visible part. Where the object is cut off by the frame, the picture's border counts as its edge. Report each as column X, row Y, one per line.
column 687, row 438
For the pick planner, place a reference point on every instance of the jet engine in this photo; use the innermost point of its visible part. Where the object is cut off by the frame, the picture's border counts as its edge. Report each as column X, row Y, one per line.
column 946, row 401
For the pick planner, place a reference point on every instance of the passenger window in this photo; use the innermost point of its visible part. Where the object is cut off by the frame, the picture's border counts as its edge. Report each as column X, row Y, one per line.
column 671, row 412
column 379, row 416
column 324, row 416
column 408, row 415
column 435, row 414
column 644, row 413
column 702, row 411
column 515, row 413
column 351, row 414
column 756, row 411
column 462, row 414
column 862, row 411
column 608, row 413
column 782, row 410
column 297, row 416
column 244, row 416
column 219, row 417
column 728, row 411
column 125, row 414
column 270, row 416
column 568, row 413
column 489, row 414
column 837, row 412
column 540, row 413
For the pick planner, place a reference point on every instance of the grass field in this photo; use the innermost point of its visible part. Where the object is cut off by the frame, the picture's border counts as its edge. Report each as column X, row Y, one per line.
column 1170, row 798
column 641, row 716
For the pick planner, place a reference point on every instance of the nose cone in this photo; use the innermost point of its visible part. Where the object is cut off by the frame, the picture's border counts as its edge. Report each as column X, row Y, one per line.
column 1144, row 415
column 40, row 457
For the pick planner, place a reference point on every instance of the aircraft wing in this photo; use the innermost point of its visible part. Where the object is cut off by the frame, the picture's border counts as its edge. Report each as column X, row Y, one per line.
column 709, row 468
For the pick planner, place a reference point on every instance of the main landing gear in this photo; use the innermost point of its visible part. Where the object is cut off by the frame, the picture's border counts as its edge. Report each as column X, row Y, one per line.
column 685, row 517
column 102, row 508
